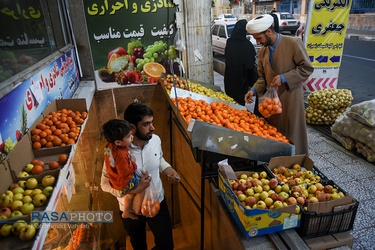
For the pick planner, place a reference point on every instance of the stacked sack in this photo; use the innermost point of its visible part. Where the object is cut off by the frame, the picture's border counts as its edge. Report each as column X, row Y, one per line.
column 326, row 105
column 356, row 128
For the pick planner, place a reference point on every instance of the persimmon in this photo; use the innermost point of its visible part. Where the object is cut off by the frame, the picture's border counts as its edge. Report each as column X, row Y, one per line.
column 34, row 162
column 35, row 138
column 49, row 123
column 57, row 132
column 43, row 141
column 37, row 145
column 35, row 131
column 50, row 137
column 53, row 165
column 63, row 159
column 37, row 169
column 70, row 142
column 72, row 135
column 49, row 144
column 57, row 141
column 43, row 134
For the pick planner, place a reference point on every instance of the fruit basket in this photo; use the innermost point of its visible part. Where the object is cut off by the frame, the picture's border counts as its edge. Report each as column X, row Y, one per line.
column 340, row 219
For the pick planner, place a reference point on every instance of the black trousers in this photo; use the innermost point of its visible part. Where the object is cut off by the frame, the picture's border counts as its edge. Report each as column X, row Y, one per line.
column 160, row 226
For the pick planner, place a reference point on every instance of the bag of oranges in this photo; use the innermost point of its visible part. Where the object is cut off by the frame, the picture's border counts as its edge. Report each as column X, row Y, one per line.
column 269, row 103
column 150, row 204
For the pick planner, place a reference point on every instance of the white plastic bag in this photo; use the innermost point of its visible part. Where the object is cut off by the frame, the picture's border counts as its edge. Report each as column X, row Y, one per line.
column 150, row 204
column 269, row 103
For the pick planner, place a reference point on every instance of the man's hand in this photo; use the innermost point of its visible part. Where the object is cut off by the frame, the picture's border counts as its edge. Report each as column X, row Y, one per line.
column 173, row 177
column 276, row 82
column 249, row 97
column 144, row 182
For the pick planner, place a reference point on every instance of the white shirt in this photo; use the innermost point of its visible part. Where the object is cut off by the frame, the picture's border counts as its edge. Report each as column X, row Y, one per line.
column 149, row 158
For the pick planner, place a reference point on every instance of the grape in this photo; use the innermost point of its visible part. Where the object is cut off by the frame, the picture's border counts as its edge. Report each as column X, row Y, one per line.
column 147, row 60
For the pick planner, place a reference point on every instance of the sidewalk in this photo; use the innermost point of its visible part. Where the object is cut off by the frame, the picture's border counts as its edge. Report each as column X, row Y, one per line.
column 365, row 35
column 352, row 173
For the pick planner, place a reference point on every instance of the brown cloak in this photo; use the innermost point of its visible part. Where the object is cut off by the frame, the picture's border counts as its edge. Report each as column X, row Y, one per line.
column 291, row 59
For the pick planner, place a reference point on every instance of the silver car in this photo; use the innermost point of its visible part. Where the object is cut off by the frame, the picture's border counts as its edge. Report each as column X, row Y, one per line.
column 226, row 18
column 287, row 22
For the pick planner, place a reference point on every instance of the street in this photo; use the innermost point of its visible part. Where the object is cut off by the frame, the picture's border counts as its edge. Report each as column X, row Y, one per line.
column 357, row 69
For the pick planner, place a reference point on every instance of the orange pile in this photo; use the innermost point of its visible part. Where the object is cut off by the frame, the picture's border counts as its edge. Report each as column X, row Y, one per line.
column 221, row 114
column 78, row 237
column 59, row 128
column 150, row 208
column 270, row 107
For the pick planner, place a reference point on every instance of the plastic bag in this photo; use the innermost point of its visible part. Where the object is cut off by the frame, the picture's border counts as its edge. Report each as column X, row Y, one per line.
column 269, row 103
column 347, row 142
column 365, row 151
column 178, row 42
column 363, row 112
column 150, row 204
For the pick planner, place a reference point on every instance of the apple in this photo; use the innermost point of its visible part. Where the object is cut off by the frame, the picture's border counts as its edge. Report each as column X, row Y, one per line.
column 27, row 233
column 231, row 181
column 22, row 184
column 256, row 182
column 27, row 192
column 296, row 175
column 285, row 204
column 263, row 174
column 273, row 196
column 263, row 195
column 285, row 195
column 15, row 213
column 292, row 182
column 6, row 200
column 309, row 174
column 255, row 176
column 27, row 208
column 16, row 205
column 18, row 196
column 278, row 204
column 249, row 192
column 6, row 230
column 335, row 196
column 328, row 189
column 296, row 189
column 306, row 181
column 291, row 201
column 18, row 190
column 258, row 189
column 256, row 196
column 341, row 194
column 319, row 186
column 249, row 184
column 307, row 201
column 312, row 189
column 235, row 185
column 241, row 197
column 35, row 192
column 280, row 198
column 328, row 196
column 281, row 170
column 321, row 197
column 27, row 199
column 23, row 174
column 261, row 205
column 31, row 183
column 265, row 181
column 297, row 167
column 278, row 189
column 296, row 194
column 301, row 200
column 251, row 201
column 242, row 181
column 314, row 200
column 40, row 199
column 266, row 188
column 247, row 207
column 28, row 168
column 285, row 188
column 242, row 187
column 47, row 191
column 268, row 201
column 13, row 186
column 5, row 211
column 298, row 209
column 299, row 181
column 243, row 176
column 273, row 183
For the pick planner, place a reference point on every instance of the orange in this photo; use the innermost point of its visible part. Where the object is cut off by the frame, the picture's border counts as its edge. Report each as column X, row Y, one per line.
column 37, row 145
column 72, row 135
column 43, row 134
column 35, row 138
column 50, row 137
column 49, row 144
column 71, row 141
column 43, row 141
column 63, row 159
column 153, row 69
column 57, row 141
column 57, row 132
column 37, row 169
column 35, row 131
column 53, row 165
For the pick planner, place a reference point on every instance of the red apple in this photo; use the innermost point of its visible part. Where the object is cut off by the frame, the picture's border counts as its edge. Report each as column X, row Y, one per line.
column 273, row 183
column 301, row 200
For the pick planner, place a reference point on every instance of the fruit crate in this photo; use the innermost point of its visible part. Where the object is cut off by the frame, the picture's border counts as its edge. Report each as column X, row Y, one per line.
column 341, row 219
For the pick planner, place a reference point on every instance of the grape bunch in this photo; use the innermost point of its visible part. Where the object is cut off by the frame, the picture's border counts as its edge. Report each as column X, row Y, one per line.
column 134, row 44
column 156, row 53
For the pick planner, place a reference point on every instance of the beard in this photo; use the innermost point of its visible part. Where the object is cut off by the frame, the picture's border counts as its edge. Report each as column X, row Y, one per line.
column 144, row 137
column 268, row 41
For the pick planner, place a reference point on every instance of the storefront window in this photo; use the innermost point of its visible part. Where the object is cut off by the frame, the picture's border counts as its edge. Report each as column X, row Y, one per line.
column 31, row 30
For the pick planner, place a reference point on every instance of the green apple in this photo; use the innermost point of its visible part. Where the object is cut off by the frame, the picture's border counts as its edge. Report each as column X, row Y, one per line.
column 28, row 168
column 22, row 184
column 18, row 190
column 261, row 205
column 15, row 213
column 258, row 189
column 27, row 199
column 27, row 208
column 18, row 196
column 35, row 192
column 6, row 230
column 277, row 204
column 17, row 226
column 16, row 205
column 39, row 200
column 31, row 183
column 3, row 217
column 268, row 201
column 48, row 180
column 7, row 200
column 284, row 195
column 263, row 195
column 27, row 233
column 263, row 174
column 27, row 192
column 23, row 174
column 48, row 191
column 10, row 193
column 278, row 189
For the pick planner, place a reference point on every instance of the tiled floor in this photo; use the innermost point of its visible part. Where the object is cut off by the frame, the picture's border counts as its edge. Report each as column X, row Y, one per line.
column 351, row 172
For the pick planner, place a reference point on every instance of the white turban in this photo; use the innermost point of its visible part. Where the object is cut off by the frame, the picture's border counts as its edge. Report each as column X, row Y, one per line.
column 259, row 24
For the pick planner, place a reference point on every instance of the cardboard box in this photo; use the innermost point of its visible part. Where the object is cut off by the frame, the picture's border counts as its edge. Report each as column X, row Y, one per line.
column 23, row 154
column 255, row 222
column 330, row 241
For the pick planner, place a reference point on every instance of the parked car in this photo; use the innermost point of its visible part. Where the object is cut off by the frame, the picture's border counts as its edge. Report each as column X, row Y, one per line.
column 226, row 18
column 221, row 31
column 287, row 22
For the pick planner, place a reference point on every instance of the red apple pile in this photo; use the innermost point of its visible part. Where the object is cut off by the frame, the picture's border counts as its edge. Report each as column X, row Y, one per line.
column 314, row 193
column 258, row 191
column 295, row 176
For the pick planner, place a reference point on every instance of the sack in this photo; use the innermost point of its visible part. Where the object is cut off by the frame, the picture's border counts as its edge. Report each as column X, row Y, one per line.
column 150, row 204
column 269, row 103
column 363, row 112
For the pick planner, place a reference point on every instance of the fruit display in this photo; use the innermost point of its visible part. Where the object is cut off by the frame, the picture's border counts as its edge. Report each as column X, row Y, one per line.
column 363, row 112
column 36, row 166
column 137, row 64
column 326, row 105
column 258, row 190
column 221, row 114
column 295, row 175
column 59, row 128
column 314, row 193
column 82, row 238
column 24, row 230
column 167, row 82
column 24, row 196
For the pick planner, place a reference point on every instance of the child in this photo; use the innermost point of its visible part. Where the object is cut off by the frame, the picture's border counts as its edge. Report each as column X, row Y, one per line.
column 121, row 166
